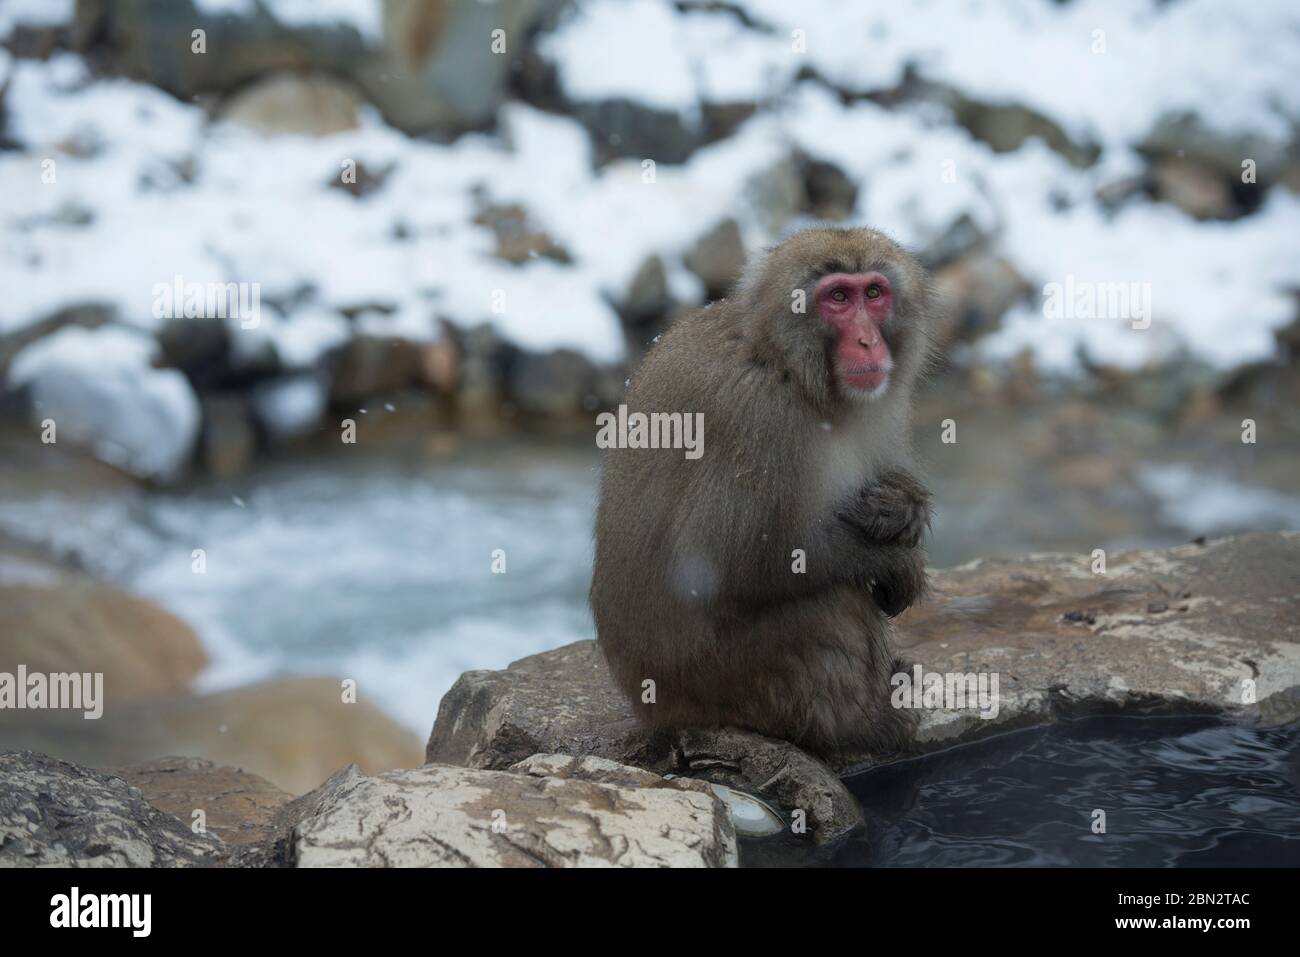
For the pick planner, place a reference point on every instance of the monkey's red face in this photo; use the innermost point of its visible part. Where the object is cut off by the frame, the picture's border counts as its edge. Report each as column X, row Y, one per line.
column 857, row 306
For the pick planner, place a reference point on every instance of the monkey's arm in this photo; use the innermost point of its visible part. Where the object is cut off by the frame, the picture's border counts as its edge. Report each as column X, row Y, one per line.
column 891, row 515
column 892, row 510
column 775, row 563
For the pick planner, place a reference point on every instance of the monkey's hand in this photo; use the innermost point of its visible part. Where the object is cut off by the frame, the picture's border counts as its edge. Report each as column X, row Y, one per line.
column 899, row 578
column 893, row 510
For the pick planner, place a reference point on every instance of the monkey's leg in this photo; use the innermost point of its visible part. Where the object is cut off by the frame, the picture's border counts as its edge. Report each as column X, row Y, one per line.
column 817, row 672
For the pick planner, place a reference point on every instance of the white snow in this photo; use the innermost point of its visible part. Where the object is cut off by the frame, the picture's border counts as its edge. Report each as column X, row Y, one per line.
column 167, row 193
column 34, row 13
column 366, row 16
column 291, row 406
column 98, row 388
column 1215, row 504
column 1240, row 58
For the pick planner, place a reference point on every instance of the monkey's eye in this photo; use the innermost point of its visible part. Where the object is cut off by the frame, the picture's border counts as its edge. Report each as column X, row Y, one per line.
column 873, row 291
column 839, row 295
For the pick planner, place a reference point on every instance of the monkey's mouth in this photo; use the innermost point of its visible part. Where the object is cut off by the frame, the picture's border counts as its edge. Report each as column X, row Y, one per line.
column 868, row 378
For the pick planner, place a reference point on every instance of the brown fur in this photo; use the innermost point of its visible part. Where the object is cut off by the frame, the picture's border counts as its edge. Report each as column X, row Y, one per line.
column 693, row 584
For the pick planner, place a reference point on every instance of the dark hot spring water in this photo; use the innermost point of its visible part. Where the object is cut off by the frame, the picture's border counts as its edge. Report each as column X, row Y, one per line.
column 1176, row 792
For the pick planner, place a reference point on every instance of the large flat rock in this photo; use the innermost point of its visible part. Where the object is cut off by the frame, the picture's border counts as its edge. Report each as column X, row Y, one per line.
column 1209, row 628
column 565, row 702
column 440, row 816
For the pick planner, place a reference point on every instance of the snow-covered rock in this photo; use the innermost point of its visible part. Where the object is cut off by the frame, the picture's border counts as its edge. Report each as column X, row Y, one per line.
column 97, row 387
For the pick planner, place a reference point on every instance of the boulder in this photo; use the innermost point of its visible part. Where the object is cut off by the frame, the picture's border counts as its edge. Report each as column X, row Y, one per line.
column 436, row 69
column 100, row 390
column 564, row 702
column 1219, row 153
column 832, row 194
column 440, row 816
column 372, row 365
column 199, row 347
column 76, row 625
column 482, row 363
column 1006, row 127
column 602, row 771
column 777, row 194
column 557, row 702
column 426, row 64
column 1208, row 628
column 518, row 239
column 290, row 103
column 87, row 315
column 978, row 289
column 624, row 129
column 647, row 295
column 294, row 732
column 54, row 814
column 228, row 441
column 718, row 258
column 551, row 385
column 1194, row 187
column 239, row 807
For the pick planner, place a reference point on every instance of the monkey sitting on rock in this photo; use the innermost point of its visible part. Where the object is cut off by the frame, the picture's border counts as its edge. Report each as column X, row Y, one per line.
column 752, row 586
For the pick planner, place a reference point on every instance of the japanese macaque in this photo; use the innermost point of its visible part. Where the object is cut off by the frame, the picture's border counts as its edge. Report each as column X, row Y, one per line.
column 753, row 585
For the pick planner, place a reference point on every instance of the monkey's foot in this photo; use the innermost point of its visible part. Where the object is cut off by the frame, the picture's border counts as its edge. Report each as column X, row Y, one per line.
column 807, row 791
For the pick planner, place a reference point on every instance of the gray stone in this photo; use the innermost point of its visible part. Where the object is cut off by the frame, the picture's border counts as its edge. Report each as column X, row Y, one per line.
column 1194, row 187
column 435, row 68
column 564, row 702
column 291, row 103
column 1005, row 127
column 99, row 388
column 831, row 193
column 977, row 290
column 439, row 816
column 228, row 442
column 777, row 194
column 519, row 240
column 427, row 66
column 238, row 806
column 1196, row 629
column 551, row 384
column 751, row 816
column 88, row 315
column 199, row 347
column 718, row 258
column 371, row 365
column 622, row 128
column 57, row 814
column 647, row 294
